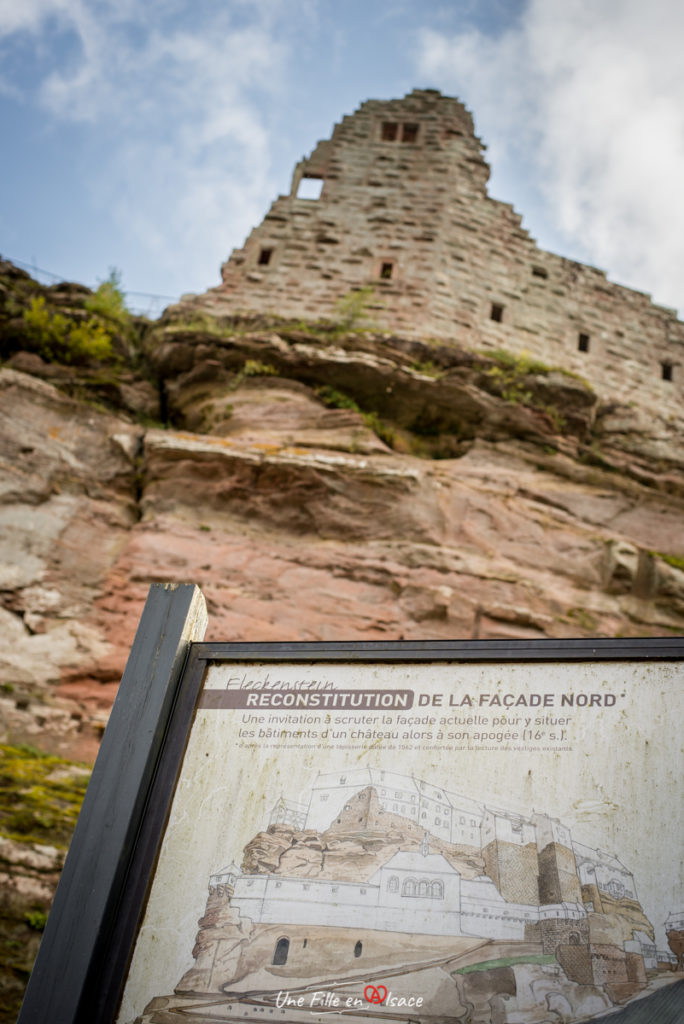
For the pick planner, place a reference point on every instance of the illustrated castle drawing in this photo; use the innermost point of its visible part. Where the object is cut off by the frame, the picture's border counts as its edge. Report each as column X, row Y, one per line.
column 396, row 201
column 378, row 869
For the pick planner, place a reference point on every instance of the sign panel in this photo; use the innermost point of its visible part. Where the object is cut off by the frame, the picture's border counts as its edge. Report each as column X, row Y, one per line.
column 426, row 840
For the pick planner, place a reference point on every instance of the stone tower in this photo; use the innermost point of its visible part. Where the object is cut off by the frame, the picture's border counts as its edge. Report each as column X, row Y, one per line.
column 402, row 210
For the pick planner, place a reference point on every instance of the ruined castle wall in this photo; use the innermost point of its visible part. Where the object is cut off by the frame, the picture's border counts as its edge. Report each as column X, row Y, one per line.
column 404, row 209
column 558, row 881
column 513, row 869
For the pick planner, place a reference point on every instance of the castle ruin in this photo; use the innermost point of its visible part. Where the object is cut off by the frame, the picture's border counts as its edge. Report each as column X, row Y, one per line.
column 396, row 201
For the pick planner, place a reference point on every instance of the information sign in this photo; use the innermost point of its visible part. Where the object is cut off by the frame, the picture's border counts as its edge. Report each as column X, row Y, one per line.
column 418, row 832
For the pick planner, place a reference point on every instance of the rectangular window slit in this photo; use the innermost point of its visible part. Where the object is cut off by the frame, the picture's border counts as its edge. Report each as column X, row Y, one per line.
column 310, row 187
column 389, row 131
column 666, row 370
column 496, row 313
column 409, row 133
column 264, row 257
column 540, row 272
column 583, row 343
column 386, row 270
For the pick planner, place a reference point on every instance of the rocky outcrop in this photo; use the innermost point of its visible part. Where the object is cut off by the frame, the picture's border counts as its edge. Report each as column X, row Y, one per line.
column 318, row 484
column 348, row 851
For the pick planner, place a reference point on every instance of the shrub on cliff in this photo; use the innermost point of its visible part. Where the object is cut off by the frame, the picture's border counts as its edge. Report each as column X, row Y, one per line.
column 58, row 338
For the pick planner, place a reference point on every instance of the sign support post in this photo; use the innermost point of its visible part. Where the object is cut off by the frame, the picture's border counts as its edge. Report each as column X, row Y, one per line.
column 77, row 938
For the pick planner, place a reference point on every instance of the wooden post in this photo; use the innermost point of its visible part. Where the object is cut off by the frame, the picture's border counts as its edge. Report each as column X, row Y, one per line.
column 90, row 889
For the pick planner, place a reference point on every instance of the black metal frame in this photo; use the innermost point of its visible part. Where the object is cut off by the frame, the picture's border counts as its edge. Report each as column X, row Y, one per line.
column 123, row 910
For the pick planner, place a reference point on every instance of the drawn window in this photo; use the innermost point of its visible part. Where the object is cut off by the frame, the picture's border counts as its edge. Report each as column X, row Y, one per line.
column 358, row 949
column 409, row 887
column 437, row 890
column 666, row 371
column 583, row 343
column 423, row 888
column 281, row 951
column 324, row 797
column 393, row 884
column 496, row 312
column 343, row 779
column 310, row 187
column 264, row 257
column 409, row 133
column 389, row 132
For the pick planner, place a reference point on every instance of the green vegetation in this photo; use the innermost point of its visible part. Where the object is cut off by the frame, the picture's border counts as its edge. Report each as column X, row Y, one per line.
column 107, row 302
column 58, row 338
column 255, row 368
column 584, row 619
column 352, row 309
column 505, row 961
column 676, row 561
column 520, row 365
column 338, row 399
column 84, row 335
column 383, row 430
column 36, row 919
column 40, row 795
column 428, row 368
column 335, row 399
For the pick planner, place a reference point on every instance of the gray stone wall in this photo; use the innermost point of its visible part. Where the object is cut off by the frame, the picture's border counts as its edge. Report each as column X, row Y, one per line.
column 404, row 209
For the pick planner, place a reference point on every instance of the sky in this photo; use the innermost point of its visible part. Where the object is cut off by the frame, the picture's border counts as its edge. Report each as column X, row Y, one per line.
column 152, row 136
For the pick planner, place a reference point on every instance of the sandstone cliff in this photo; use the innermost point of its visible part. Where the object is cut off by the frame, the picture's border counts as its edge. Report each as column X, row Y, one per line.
column 319, row 482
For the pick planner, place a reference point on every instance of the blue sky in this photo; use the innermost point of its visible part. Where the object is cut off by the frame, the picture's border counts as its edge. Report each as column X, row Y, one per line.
column 151, row 135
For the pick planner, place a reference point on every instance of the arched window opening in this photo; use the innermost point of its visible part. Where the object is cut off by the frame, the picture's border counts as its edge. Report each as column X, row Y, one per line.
column 409, row 887
column 281, row 951
column 358, row 949
column 437, row 891
column 393, row 884
column 423, row 888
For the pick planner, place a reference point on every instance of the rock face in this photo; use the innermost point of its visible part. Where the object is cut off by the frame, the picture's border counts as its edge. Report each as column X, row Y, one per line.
column 318, row 484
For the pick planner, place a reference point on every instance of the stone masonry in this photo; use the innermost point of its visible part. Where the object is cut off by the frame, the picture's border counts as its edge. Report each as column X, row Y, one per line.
column 404, row 209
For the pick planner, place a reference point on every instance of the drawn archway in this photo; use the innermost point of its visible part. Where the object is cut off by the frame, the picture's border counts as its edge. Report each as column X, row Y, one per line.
column 280, row 952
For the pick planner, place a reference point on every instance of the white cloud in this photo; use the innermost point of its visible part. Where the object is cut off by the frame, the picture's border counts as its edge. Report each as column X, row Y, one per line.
column 587, row 99
column 173, row 98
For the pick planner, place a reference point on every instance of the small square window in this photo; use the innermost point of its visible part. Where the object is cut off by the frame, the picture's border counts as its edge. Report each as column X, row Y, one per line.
column 409, row 133
column 666, row 370
column 540, row 272
column 310, row 188
column 386, row 270
column 264, row 257
column 389, row 131
column 583, row 343
column 496, row 313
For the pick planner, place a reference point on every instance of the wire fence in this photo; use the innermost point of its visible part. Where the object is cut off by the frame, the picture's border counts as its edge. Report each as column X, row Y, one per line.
column 138, row 303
